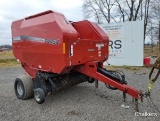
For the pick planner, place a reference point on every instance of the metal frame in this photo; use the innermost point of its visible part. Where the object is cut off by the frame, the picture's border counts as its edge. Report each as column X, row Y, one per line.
column 90, row 69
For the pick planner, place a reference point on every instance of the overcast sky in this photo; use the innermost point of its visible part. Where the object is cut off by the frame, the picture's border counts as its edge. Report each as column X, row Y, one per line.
column 11, row 10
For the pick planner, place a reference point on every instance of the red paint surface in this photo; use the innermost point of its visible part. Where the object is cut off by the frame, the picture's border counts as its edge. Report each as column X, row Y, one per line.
column 83, row 35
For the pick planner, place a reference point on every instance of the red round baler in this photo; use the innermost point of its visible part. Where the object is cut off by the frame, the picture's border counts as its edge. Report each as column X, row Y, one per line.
column 58, row 54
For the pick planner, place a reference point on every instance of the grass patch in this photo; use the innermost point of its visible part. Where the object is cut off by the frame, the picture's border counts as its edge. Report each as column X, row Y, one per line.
column 149, row 51
column 7, row 55
column 133, row 68
column 8, row 62
column 7, row 59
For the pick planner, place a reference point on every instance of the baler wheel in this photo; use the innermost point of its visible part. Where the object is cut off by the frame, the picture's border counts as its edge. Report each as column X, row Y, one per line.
column 39, row 95
column 23, row 87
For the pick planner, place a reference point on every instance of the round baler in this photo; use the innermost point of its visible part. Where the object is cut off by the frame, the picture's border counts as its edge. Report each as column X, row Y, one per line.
column 58, row 54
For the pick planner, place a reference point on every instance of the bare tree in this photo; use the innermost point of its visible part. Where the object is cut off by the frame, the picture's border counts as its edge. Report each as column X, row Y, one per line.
column 146, row 16
column 155, row 19
column 132, row 10
column 118, row 10
column 121, row 10
column 100, row 9
column 129, row 10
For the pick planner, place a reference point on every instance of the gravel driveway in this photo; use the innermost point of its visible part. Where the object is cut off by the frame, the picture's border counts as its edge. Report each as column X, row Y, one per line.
column 80, row 103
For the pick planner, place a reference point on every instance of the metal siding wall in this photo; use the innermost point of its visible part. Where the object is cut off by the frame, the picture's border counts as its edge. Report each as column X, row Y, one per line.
column 133, row 35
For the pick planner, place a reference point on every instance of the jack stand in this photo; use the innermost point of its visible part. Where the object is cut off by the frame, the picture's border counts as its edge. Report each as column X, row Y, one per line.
column 124, row 97
column 96, row 83
column 136, row 105
column 141, row 95
column 147, row 94
column 124, row 100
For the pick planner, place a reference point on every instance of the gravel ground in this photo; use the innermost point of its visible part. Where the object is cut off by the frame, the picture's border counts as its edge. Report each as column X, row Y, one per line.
column 82, row 102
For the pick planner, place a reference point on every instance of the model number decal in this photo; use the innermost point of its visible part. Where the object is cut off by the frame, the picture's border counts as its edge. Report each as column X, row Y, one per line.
column 52, row 41
column 37, row 39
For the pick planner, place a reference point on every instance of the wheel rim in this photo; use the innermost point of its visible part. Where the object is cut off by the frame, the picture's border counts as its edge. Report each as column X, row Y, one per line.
column 37, row 96
column 19, row 88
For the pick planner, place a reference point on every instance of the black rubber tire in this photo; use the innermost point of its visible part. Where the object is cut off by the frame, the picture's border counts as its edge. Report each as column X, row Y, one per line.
column 23, row 87
column 39, row 95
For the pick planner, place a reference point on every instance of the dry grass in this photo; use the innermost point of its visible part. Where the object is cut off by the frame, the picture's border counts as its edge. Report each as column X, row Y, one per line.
column 8, row 63
column 132, row 68
column 149, row 51
column 7, row 55
column 7, row 59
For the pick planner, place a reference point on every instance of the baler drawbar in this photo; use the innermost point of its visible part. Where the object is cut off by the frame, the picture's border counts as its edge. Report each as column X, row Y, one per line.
column 58, row 54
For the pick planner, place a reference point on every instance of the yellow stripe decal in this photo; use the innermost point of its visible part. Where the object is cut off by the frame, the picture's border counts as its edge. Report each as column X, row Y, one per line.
column 64, row 48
